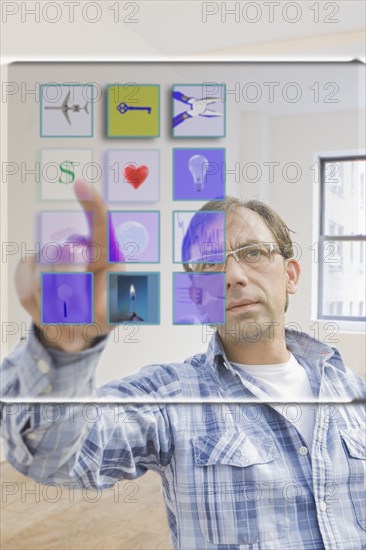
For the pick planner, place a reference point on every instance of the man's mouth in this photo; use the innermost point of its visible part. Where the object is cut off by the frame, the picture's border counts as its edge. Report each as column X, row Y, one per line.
column 243, row 305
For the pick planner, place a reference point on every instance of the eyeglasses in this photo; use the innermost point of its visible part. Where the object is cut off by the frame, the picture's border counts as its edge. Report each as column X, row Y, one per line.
column 256, row 255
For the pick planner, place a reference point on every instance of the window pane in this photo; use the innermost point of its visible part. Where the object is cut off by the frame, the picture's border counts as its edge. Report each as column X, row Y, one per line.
column 343, row 278
column 344, row 197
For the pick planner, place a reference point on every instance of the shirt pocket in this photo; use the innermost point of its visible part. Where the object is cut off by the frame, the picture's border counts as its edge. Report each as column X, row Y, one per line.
column 354, row 441
column 239, row 492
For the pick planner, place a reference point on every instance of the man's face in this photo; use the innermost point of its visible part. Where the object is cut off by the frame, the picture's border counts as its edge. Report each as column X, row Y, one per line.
column 255, row 295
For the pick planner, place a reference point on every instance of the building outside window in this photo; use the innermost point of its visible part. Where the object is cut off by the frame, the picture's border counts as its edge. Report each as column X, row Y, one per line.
column 341, row 246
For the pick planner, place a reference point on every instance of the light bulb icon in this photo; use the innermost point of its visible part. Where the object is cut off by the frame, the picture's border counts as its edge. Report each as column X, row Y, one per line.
column 198, row 165
column 64, row 292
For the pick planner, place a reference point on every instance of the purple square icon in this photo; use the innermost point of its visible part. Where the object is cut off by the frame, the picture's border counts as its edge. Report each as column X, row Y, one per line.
column 199, row 174
column 198, row 298
column 199, row 237
column 65, row 237
column 133, row 236
column 66, row 298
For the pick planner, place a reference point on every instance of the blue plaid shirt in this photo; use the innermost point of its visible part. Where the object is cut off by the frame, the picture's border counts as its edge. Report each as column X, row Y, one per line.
column 235, row 471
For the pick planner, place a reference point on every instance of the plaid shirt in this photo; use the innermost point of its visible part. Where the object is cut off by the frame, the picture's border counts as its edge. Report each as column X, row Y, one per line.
column 236, row 473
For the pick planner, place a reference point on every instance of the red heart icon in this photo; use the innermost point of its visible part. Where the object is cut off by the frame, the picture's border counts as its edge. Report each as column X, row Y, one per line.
column 135, row 175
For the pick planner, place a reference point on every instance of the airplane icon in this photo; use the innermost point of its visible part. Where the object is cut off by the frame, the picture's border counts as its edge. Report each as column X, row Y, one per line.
column 74, row 108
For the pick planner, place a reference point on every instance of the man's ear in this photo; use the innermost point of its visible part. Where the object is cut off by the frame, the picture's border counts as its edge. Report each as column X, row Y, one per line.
column 293, row 271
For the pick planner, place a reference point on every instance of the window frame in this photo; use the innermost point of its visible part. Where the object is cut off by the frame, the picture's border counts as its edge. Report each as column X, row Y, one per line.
column 346, row 323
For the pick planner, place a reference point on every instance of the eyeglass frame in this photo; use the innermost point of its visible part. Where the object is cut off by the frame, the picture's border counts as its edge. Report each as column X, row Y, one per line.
column 274, row 248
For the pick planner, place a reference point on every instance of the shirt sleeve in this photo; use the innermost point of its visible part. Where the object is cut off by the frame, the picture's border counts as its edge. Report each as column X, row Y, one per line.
column 98, row 438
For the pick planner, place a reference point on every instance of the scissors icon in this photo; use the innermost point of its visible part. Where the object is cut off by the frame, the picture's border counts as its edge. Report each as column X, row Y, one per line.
column 197, row 107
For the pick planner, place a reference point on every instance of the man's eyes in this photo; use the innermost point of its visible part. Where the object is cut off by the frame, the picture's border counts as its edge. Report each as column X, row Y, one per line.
column 251, row 253
column 211, row 260
column 205, row 267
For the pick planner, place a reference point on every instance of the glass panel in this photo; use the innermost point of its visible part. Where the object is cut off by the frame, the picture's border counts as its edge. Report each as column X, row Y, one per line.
column 344, row 192
column 344, row 278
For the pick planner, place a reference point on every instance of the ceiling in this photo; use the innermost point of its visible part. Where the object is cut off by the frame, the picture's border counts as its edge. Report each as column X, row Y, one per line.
column 178, row 27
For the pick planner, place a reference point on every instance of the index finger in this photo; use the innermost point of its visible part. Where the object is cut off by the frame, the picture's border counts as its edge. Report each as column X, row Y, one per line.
column 97, row 222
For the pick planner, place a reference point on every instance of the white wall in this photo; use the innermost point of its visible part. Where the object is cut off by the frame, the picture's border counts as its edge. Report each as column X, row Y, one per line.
column 298, row 139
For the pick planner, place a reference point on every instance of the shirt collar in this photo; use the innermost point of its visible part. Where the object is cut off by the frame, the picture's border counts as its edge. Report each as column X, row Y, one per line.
column 299, row 343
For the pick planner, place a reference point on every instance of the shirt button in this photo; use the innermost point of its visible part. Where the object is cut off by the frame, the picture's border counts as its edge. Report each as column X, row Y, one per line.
column 47, row 389
column 32, row 435
column 43, row 366
column 303, row 451
column 322, row 505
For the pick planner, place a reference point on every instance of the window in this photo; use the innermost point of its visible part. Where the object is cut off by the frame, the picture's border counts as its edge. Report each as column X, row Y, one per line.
column 334, row 176
column 341, row 244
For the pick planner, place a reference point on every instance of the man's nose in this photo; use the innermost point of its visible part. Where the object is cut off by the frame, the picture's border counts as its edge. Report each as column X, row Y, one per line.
column 236, row 273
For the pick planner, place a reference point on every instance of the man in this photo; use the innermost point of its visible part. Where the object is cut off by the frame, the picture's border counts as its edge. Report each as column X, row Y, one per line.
column 239, row 469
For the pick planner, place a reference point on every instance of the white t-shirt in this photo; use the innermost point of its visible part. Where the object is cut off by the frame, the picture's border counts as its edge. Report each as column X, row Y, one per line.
column 288, row 382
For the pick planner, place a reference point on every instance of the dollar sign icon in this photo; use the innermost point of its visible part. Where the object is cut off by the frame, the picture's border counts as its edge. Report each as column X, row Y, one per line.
column 66, row 167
